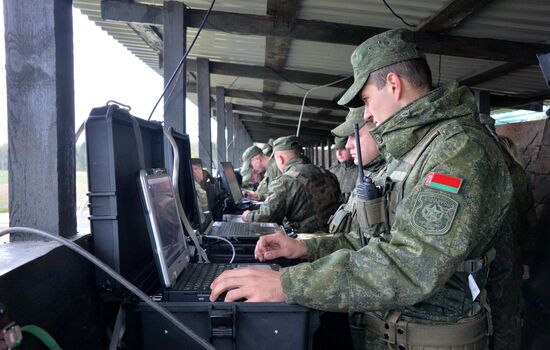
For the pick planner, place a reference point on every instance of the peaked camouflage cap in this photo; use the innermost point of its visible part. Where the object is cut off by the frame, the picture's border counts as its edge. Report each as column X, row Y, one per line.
column 355, row 116
column 250, row 153
column 286, row 143
column 267, row 148
column 340, row 142
column 377, row 52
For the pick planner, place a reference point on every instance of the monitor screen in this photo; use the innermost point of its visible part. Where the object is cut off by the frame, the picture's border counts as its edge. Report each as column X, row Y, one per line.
column 229, row 181
column 165, row 227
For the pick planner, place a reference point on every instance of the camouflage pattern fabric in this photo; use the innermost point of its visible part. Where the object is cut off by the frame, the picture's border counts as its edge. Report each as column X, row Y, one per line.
column 304, row 196
column 515, row 247
column 434, row 230
column 271, row 174
column 344, row 220
column 201, row 194
column 346, row 173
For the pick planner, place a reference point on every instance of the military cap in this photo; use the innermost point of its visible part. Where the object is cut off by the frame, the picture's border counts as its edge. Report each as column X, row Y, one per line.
column 267, row 148
column 377, row 52
column 250, row 153
column 340, row 142
column 286, row 143
column 355, row 116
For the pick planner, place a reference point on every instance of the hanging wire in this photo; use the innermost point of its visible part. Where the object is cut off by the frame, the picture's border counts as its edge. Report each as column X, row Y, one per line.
column 180, row 64
column 305, row 96
column 396, row 15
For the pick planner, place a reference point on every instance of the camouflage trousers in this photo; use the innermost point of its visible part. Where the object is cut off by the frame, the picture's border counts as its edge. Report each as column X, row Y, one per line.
column 507, row 316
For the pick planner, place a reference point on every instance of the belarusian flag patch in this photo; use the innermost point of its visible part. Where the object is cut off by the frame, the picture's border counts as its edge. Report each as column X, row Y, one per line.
column 443, row 182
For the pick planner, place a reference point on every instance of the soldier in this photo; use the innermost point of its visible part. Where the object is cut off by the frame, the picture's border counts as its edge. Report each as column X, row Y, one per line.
column 343, row 221
column 515, row 246
column 267, row 148
column 345, row 170
column 250, row 177
column 419, row 281
column 260, row 162
column 304, row 196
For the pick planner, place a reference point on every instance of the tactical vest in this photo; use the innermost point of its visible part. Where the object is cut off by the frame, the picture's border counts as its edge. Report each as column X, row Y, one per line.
column 323, row 191
column 376, row 218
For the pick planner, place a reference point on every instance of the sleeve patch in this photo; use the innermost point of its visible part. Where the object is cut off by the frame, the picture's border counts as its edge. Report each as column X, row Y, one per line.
column 433, row 213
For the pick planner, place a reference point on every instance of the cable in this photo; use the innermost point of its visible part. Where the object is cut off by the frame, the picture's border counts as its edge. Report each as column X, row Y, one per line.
column 227, row 241
column 74, row 247
column 182, row 215
column 304, row 100
column 180, row 64
column 396, row 15
column 41, row 335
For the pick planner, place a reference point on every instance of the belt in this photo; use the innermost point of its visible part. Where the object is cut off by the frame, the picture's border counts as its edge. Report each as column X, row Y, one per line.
column 403, row 333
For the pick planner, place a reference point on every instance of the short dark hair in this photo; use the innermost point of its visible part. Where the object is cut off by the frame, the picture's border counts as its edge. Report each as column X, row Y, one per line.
column 416, row 71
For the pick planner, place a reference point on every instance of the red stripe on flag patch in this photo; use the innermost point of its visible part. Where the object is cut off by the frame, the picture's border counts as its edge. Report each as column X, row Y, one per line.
column 443, row 182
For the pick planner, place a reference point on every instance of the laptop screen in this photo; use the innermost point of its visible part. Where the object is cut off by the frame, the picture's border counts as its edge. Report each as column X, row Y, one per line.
column 164, row 225
column 229, row 181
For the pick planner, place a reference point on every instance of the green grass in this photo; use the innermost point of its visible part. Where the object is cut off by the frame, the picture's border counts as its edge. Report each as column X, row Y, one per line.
column 81, row 189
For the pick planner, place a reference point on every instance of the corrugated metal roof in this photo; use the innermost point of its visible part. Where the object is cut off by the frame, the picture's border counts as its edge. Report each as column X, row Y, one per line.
column 521, row 21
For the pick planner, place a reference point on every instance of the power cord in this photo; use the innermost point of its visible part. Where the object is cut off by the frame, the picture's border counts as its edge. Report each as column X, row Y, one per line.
column 184, row 57
column 108, row 270
column 228, row 242
column 396, row 15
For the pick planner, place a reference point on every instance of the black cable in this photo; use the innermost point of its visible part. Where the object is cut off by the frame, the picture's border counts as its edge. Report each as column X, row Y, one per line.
column 180, row 64
column 439, row 71
column 396, row 15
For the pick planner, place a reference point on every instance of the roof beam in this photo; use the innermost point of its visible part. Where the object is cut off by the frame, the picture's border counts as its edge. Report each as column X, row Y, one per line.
column 317, row 117
column 329, row 32
column 451, row 15
column 288, row 99
column 276, row 48
column 489, row 74
column 292, row 124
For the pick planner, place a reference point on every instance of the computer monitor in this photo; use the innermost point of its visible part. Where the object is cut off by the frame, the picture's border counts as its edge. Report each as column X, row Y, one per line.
column 229, row 181
column 164, row 225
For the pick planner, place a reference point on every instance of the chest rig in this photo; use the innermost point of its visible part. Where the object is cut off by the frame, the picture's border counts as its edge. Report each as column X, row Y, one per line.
column 376, row 210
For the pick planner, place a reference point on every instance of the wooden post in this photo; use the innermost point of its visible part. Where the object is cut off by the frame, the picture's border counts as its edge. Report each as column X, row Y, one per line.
column 205, row 126
column 221, row 116
column 40, row 89
column 329, row 152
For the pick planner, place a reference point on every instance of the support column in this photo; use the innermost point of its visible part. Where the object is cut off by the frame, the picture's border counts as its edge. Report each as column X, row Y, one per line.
column 483, row 101
column 174, row 46
column 323, row 165
column 230, row 122
column 221, row 116
column 329, row 152
column 40, row 106
column 205, row 125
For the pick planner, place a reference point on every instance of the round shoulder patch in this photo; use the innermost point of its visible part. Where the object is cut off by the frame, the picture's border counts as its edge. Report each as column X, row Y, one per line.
column 433, row 213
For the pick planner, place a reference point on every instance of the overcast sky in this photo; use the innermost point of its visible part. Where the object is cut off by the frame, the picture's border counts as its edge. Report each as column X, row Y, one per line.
column 104, row 70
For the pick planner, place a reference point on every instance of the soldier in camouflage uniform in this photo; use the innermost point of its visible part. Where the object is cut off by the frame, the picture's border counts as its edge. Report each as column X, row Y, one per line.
column 515, row 246
column 261, row 163
column 267, row 148
column 344, row 220
column 345, row 170
column 303, row 197
column 250, row 177
column 418, row 283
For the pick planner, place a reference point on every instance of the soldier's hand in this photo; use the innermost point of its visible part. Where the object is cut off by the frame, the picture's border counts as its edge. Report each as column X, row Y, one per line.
column 279, row 245
column 252, row 284
column 252, row 195
column 246, row 216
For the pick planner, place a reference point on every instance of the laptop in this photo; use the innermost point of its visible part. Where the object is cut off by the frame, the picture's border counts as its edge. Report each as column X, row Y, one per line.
column 182, row 280
column 231, row 185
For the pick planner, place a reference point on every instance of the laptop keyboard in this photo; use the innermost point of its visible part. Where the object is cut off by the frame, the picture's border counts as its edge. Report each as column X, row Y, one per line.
column 234, row 229
column 199, row 277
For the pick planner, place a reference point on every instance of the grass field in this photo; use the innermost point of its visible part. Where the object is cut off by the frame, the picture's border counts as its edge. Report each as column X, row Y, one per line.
column 81, row 189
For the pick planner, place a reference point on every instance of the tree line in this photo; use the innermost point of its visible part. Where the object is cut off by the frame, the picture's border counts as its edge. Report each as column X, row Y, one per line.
column 80, row 156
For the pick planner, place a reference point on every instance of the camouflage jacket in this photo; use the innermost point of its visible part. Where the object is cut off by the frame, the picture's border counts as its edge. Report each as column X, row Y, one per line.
column 434, row 230
column 304, row 196
column 271, row 174
column 346, row 173
column 344, row 219
column 202, row 197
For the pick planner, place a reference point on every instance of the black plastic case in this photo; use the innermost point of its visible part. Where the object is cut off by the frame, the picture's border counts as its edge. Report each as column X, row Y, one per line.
column 118, row 146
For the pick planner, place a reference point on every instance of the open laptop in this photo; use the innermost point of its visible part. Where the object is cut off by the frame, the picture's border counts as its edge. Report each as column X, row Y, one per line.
column 183, row 281
column 231, row 185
